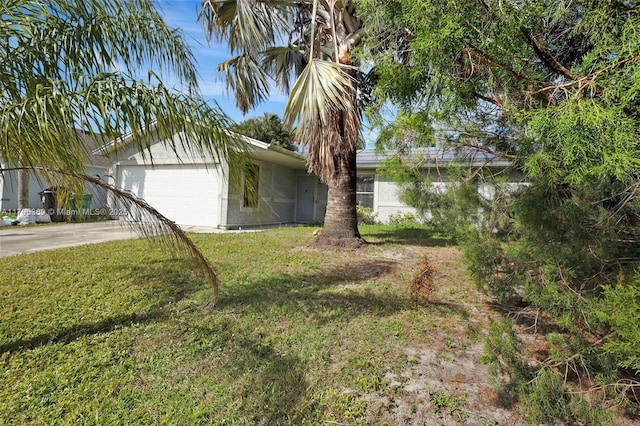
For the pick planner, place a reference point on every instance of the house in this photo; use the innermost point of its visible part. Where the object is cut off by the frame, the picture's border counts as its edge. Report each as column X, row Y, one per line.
column 194, row 190
column 96, row 166
column 383, row 195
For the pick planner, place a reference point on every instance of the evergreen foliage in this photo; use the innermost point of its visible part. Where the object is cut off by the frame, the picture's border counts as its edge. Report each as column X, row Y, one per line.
column 554, row 87
column 268, row 128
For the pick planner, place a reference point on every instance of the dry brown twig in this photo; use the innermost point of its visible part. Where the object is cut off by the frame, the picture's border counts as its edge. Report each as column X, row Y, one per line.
column 422, row 285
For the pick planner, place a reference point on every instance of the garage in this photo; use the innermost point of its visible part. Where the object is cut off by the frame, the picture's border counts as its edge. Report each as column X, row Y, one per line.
column 188, row 194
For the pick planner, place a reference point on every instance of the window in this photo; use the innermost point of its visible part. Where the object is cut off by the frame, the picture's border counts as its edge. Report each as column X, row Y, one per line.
column 364, row 190
column 250, row 190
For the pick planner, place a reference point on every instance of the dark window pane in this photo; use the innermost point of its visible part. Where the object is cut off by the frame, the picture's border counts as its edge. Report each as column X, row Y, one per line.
column 364, row 184
column 365, row 200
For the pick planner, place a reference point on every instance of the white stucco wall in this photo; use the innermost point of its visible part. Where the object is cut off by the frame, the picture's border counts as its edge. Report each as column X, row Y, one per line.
column 9, row 188
column 277, row 184
column 386, row 200
column 277, row 198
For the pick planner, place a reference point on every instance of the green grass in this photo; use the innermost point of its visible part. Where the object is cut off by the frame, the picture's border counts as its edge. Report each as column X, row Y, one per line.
column 115, row 333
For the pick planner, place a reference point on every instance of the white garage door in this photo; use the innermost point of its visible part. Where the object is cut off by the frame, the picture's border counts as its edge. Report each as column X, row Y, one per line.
column 186, row 194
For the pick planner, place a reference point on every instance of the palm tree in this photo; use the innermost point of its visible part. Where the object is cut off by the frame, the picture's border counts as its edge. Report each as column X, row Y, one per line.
column 278, row 40
column 98, row 65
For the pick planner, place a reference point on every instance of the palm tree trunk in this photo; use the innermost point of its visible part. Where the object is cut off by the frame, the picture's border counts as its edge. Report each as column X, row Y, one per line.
column 23, row 189
column 341, row 220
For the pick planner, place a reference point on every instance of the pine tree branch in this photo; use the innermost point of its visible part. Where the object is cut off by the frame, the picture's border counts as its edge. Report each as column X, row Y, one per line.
column 583, row 82
column 546, row 57
column 484, row 5
column 576, row 355
column 484, row 58
column 495, row 100
column 491, row 62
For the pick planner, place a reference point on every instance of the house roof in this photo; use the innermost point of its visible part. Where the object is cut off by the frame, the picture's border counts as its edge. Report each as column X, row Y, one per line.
column 257, row 149
column 277, row 154
column 90, row 141
column 433, row 157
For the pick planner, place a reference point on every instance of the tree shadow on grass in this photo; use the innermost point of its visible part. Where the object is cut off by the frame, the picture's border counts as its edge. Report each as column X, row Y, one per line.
column 266, row 381
column 173, row 278
column 164, row 282
column 273, row 384
column 326, row 295
column 409, row 235
column 78, row 331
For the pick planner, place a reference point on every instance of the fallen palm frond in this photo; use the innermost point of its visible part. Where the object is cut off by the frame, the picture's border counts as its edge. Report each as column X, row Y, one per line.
column 422, row 285
column 145, row 220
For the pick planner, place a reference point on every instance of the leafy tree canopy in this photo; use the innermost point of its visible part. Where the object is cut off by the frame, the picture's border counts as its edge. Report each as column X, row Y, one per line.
column 554, row 87
column 268, row 128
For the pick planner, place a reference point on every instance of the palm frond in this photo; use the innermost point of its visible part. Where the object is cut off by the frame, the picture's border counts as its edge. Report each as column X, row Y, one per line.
column 321, row 87
column 144, row 220
column 249, row 26
column 322, row 109
column 40, row 130
column 65, row 39
column 284, row 63
column 68, row 64
column 247, row 79
column 217, row 18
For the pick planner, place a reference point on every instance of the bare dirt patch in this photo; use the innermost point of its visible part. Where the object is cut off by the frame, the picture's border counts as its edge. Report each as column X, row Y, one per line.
column 443, row 383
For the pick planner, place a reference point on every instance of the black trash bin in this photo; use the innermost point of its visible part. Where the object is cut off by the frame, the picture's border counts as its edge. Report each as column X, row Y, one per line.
column 49, row 199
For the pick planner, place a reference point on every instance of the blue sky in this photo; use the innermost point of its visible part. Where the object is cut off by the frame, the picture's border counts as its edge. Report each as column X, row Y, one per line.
column 183, row 14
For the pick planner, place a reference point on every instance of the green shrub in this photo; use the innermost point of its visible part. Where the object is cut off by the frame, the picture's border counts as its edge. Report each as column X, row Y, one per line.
column 404, row 218
column 620, row 311
column 545, row 395
column 366, row 215
column 564, row 256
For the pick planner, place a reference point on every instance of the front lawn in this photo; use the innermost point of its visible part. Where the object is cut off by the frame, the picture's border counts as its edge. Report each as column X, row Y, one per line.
column 116, row 333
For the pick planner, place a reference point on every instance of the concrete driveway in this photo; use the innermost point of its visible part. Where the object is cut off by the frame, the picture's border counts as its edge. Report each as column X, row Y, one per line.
column 28, row 239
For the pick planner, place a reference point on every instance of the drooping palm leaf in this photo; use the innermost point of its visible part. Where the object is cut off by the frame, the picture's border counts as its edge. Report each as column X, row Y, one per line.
column 145, row 220
column 250, row 26
column 58, row 75
column 246, row 78
column 40, row 129
column 321, row 107
column 100, row 66
column 69, row 39
column 284, row 63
